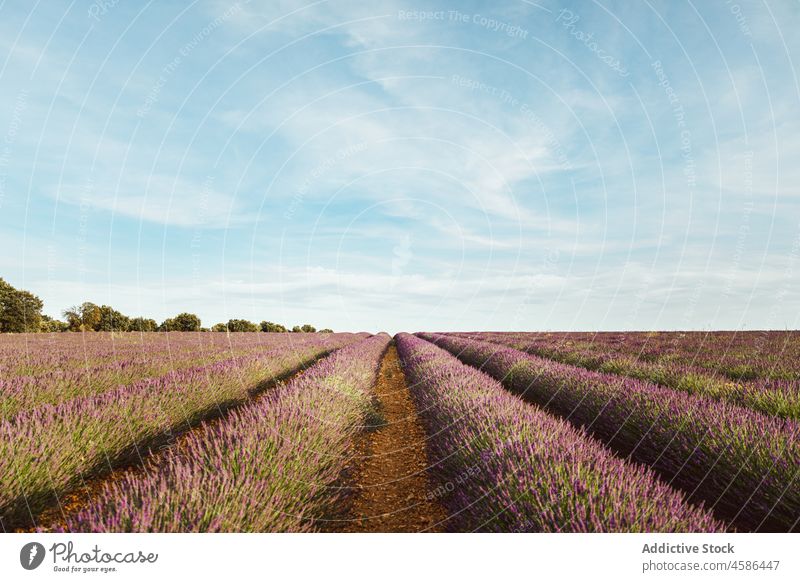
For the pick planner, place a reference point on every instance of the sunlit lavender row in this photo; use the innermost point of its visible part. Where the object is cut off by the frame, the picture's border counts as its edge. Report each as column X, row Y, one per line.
column 268, row 466
column 50, row 449
column 27, row 354
column 44, row 371
column 742, row 464
column 738, row 356
column 520, row 469
column 760, row 371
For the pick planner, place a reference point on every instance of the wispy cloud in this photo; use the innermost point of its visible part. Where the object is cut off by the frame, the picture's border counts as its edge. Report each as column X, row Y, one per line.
column 329, row 159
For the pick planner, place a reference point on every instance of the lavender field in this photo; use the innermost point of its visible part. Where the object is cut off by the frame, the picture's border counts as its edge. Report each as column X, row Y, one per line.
column 516, row 432
column 114, row 400
column 341, row 267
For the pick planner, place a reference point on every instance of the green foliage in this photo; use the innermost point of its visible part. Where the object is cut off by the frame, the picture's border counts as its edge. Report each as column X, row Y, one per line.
column 305, row 328
column 50, row 325
column 90, row 317
column 73, row 317
column 143, row 324
column 698, row 384
column 84, row 317
column 112, row 320
column 187, row 322
column 269, row 327
column 241, row 325
column 181, row 322
column 20, row 311
column 743, row 372
column 620, row 367
column 236, row 325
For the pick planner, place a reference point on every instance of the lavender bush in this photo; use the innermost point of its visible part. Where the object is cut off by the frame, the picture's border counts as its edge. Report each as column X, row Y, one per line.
column 764, row 379
column 526, row 470
column 738, row 355
column 32, row 353
column 742, row 464
column 267, row 466
column 56, row 374
column 49, row 449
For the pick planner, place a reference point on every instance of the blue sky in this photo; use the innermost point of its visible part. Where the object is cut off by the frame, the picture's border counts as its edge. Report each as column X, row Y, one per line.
column 406, row 165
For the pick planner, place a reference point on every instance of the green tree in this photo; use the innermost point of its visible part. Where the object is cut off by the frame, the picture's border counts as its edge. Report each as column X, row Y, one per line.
column 143, row 324
column 20, row 310
column 181, row 322
column 219, row 327
column 306, row 328
column 83, row 317
column 269, row 327
column 241, row 325
column 112, row 320
column 326, row 330
column 50, row 325
column 73, row 317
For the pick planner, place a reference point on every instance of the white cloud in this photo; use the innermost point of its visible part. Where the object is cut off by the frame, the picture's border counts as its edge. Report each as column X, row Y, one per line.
column 160, row 199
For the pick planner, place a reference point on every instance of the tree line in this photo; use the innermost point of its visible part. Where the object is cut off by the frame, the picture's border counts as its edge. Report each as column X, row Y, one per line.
column 21, row 312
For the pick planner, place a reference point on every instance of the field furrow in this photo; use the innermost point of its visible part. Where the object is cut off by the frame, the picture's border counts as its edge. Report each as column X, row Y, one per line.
column 391, row 492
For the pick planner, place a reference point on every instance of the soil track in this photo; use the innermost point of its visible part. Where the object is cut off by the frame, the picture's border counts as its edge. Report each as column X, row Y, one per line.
column 392, row 492
column 55, row 516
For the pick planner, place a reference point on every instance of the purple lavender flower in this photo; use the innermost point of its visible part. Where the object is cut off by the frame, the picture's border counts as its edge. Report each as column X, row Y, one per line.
column 49, row 449
column 744, row 465
column 526, row 470
column 759, row 370
column 268, row 466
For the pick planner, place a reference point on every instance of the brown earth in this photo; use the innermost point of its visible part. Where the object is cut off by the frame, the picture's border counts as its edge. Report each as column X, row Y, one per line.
column 392, row 492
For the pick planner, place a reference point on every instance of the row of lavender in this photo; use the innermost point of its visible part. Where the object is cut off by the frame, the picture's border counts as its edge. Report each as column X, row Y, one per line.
column 277, row 464
column 737, row 355
column 23, row 354
column 743, row 465
column 51, row 448
column 272, row 465
column 47, row 370
column 520, row 469
column 760, row 384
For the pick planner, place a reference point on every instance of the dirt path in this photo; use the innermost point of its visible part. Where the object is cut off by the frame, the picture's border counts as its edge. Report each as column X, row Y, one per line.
column 55, row 516
column 391, row 483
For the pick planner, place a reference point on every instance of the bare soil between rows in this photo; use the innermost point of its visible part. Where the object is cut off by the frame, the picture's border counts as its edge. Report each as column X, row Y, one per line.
column 391, row 491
